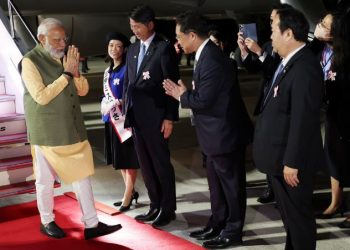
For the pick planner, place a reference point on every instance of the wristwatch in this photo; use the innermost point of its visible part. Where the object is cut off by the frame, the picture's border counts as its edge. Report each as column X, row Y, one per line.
column 67, row 74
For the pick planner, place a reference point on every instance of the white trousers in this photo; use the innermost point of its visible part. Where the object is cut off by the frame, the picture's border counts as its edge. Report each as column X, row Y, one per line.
column 45, row 178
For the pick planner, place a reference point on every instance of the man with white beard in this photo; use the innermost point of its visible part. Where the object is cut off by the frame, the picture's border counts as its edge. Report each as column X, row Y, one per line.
column 56, row 131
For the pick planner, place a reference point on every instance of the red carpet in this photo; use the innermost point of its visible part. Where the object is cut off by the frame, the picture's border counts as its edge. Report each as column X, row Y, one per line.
column 19, row 230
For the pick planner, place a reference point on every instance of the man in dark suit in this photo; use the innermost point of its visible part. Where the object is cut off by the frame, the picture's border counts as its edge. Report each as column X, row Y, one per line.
column 223, row 129
column 150, row 112
column 255, row 58
column 287, row 142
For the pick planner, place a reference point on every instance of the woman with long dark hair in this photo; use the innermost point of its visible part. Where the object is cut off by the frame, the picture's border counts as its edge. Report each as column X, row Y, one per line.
column 337, row 93
column 322, row 46
column 337, row 136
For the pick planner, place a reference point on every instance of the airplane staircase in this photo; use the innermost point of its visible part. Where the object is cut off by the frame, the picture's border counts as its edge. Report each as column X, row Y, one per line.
column 16, row 166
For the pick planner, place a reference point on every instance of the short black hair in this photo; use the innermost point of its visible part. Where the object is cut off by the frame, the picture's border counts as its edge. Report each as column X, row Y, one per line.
column 118, row 36
column 215, row 32
column 192, row 21
column 296, row 21
column 142, row 14
column 281, row 6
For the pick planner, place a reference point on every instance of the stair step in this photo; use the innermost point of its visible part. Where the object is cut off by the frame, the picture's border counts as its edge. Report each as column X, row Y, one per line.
column 7, row 104
column 16, row 170
column 16, row 163
column 18, row 175
column 12, row 124
column 20, row 188
column 2, row 86
column 12, row 139
column 14, row 150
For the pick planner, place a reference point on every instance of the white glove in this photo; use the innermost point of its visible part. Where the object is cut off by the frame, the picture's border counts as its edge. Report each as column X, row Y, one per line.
column 106, row 106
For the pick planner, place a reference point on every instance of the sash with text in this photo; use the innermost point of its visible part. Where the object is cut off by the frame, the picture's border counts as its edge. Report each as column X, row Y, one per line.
column 116, row 118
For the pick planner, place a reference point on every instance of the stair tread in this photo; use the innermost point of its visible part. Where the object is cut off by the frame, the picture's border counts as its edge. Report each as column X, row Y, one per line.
column 15, row 138
column 4, row 98
column 20, row 188
column 11, row 117
column 16, row 162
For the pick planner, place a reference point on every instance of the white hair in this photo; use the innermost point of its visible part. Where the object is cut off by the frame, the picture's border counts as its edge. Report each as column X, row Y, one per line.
column 47, row 24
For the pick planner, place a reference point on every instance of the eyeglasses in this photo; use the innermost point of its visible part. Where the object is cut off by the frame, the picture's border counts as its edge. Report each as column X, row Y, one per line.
column 321, row 22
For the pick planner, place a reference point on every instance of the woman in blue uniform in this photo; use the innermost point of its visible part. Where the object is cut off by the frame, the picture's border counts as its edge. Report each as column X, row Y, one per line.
column 119, row 146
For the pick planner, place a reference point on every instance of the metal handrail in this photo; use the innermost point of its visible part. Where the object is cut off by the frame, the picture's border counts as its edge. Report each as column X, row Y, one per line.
column 12, row 6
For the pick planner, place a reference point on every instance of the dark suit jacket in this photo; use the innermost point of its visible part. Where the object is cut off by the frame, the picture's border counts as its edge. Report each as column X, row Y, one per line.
column 268, row 67
column 337, row 94
column 317, row 47
column 337, row 97
column 272, row 59
column 288, row 129
column 146, row 104
column 222, row 122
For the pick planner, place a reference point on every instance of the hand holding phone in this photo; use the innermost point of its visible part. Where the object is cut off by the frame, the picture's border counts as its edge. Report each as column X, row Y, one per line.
column 242, row 31
column 249, row 30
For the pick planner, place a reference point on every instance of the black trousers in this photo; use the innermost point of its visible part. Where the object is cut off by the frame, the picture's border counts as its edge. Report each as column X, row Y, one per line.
column 227, row 185
column 157, row 171
column 295, row 205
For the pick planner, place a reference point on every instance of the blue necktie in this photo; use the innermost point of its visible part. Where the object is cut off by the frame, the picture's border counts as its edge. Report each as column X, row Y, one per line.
column 275, row 76
column 141, row 55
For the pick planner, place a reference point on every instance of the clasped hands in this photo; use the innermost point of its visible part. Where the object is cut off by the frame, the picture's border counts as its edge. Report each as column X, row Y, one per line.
column 173, row 89
column 71, row 61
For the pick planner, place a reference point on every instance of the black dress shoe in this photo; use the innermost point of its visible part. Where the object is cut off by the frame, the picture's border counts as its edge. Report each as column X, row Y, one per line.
column 267, row 196
column 338, row 211
column 135, row 196
column 344, row 224
column 100, row 230
column 222, row 242
column 52, row 230
column 200, row 232
column 118, row 203
column 163, row 219
column 149, row 216
column 205, row 233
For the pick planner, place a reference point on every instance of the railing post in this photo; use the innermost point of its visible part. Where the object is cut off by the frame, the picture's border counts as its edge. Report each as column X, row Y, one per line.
column 12, row 25
column 12, row 6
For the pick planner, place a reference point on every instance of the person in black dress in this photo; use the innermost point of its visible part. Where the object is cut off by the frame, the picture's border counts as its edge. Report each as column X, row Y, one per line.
column 322, row 46
column 119, row 146
column 337, row 85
